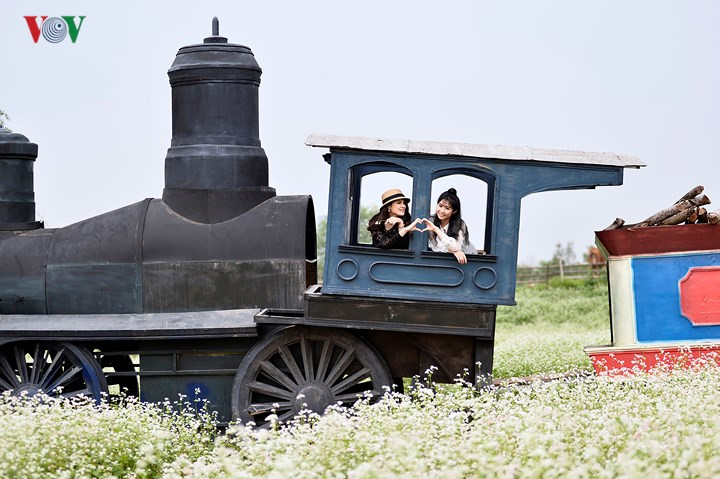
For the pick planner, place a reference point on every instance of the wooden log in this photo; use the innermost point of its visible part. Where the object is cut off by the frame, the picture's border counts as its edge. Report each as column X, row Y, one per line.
column 702, row 215
column 658, row 217
column 692, row 218
column 616, row 224
column 700, row 200
column 691, row 194
column 678, row 218
column 714, row 217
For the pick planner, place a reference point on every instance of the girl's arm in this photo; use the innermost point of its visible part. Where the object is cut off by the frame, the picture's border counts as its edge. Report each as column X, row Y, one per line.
column 459, row 254
column 390, row 222
column 403, row 230
column 448, row 242
column 391, row 238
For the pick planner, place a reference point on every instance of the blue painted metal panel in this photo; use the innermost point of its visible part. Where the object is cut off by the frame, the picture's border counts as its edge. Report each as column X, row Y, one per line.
column 393, row 274
column 486, row 279
column 416, row 274
column 657, row 297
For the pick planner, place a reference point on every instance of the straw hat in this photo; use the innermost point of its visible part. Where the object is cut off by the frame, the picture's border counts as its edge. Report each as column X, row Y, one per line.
column 392, row 195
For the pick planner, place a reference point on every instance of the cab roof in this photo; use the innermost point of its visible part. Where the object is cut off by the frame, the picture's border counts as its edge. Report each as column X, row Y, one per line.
column 517, row 153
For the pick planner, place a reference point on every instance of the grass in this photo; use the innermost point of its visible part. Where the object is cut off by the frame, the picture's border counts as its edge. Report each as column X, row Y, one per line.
column 588, row 427
column 663, row 425
column 585, row 427
column 68, row 438
column 548, row 328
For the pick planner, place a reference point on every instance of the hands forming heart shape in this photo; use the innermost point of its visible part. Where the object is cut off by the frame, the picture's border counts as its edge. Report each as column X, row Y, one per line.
column 429, row 226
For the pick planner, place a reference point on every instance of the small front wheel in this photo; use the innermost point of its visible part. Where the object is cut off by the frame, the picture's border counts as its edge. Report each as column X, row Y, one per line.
column 54, row 368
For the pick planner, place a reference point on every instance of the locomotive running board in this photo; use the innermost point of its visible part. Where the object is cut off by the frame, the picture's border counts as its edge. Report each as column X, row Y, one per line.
column 198, row 324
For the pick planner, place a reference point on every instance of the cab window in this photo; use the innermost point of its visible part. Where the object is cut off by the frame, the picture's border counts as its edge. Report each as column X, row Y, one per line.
column 366, row 202
column 473, row 195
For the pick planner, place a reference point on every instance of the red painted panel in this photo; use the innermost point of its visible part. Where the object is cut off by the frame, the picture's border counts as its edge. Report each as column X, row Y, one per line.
column 660, row 239
column 627, row 362
column 700, row 295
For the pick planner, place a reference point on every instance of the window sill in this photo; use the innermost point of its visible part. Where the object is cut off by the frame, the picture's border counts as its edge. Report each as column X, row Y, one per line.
column 472, row 258
column 371, row 250
column 404, row 253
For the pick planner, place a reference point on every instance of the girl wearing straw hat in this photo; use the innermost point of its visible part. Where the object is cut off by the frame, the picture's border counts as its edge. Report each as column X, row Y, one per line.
column 390, row 228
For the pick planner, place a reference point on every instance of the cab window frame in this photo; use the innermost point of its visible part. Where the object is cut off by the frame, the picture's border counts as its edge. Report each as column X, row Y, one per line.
column 486, row 177
column 355, row 178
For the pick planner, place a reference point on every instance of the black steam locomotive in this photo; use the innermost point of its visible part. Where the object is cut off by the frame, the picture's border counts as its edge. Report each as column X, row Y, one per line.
column 213, row 287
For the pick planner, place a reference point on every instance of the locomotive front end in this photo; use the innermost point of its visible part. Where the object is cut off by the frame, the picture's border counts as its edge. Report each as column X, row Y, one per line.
column 159, row 296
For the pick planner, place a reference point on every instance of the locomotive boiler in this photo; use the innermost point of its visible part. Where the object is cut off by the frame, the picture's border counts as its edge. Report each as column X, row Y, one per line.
column 217, row 225
column 212, row 288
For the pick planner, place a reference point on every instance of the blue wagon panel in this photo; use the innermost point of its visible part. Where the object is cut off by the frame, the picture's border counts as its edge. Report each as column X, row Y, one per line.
column 664, row 301
column 657, row 297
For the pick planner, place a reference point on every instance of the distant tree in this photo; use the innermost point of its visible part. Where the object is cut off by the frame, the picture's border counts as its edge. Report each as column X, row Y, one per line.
column 3, row 118
column 565, row 253
column 366, row 212
column 321, row 233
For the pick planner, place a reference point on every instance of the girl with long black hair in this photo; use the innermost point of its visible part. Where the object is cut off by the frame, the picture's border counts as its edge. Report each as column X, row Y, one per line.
column 447, row 231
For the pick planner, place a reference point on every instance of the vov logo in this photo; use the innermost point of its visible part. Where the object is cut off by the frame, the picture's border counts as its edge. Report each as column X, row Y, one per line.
column 54, row 29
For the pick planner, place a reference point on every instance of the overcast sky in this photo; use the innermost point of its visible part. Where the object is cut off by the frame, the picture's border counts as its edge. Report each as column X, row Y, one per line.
column 629, row 77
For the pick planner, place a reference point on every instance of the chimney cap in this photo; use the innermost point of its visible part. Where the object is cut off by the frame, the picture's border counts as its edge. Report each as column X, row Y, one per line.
column 215, row 38
column 214, row 60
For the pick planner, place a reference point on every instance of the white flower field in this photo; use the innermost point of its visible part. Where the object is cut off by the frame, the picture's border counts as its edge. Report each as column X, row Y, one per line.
column 661, row 425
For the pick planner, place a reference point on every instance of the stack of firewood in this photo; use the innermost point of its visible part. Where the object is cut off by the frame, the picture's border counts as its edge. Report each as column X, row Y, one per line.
column 690, row 209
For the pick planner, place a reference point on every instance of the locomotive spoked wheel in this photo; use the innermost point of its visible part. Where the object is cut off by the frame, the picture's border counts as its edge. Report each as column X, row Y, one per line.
column 57, row 369
column 305, row 368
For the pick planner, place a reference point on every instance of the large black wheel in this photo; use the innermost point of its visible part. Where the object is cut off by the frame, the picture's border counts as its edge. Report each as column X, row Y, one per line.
column 310, row 368
column 56, row 369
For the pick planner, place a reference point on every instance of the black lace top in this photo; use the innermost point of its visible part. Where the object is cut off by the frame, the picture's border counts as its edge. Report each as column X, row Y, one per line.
column 388, row 239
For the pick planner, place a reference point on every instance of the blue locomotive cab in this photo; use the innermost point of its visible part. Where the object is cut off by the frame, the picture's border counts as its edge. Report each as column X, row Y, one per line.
column 500, row 178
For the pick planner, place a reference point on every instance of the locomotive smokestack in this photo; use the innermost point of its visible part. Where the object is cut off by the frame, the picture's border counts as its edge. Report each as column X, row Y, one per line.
column 17, row 198
column 215, row 168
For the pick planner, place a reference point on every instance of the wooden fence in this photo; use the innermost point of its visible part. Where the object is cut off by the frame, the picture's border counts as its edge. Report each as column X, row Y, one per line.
column 542, row 274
